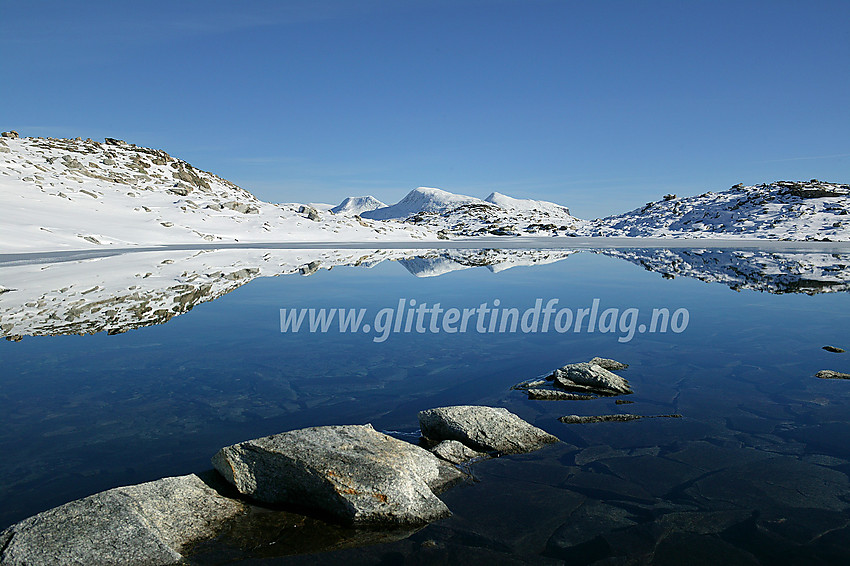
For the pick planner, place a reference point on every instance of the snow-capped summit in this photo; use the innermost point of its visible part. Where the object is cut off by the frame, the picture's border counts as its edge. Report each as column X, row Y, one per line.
column 357, row 205
column 527, row 204
column 422, row 199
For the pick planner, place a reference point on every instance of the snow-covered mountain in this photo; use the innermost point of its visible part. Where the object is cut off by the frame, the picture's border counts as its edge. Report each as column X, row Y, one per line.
column 357, row 205
column 460, row 215
column 784, row 210
column 75, row 194
column 421, row 200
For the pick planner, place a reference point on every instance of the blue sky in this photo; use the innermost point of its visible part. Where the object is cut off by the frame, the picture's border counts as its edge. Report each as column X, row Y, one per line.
column 601, row 106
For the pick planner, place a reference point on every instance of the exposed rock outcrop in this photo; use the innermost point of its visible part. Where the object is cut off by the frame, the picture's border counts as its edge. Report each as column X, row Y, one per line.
column 149, row 523
column 352, row 472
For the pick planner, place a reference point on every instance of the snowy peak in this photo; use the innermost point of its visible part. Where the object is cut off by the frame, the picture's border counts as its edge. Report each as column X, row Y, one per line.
column 512, row 203
column 357, row 205
column 423, row 199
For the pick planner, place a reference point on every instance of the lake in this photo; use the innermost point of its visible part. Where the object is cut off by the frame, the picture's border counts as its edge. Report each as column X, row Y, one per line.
column 182, row 353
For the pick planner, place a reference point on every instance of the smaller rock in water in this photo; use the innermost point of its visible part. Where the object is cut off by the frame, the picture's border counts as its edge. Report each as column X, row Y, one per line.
column 455, row 452
column 576, row 419
column 587, row 375
column 623, row 402
column 485, row 429
column 609, row 364
column 833, row 349
column 829, row 374
column 554, row 395
column 529, row 384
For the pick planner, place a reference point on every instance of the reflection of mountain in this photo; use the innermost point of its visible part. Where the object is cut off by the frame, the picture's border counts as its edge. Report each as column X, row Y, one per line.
column 121, row 292
column 809, row 273
column 438, row 262
column 118, row 293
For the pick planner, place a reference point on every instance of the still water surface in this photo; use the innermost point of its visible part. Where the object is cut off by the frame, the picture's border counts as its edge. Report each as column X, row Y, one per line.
column 754, row 472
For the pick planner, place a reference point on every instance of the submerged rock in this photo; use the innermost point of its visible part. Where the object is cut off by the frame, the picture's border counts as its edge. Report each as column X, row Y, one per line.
column 149, row 523
column 456, row 452
column 829, row 374
column 609, row 364
column 483, row 428
column 576, row 419
column 352, row 472
column 586, row 375
column 555, row 395
column 834, row 349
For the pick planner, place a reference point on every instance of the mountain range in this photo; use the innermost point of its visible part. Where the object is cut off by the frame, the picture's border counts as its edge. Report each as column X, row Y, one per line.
column 64, row 194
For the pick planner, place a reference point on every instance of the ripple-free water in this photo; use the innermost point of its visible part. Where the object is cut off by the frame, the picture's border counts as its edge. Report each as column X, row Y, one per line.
column 756, row 470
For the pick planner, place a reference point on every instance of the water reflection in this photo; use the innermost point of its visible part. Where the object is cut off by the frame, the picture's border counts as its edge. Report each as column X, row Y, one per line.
column 121, row 292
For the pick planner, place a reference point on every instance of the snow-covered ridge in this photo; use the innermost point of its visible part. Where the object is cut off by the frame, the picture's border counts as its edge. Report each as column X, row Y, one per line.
column 783, row 210
column 357, row 205
column 512, row 203
column 73, row 194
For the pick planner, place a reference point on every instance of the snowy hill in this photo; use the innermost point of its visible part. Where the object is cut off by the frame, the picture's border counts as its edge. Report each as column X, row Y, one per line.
column 357, row 205
column 784, row 210
column 459, row 215
column 75, row 194
column 529, row 205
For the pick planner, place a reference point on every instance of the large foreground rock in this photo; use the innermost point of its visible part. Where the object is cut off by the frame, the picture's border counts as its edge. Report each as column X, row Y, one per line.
column 483, row 428
column 588, row 375
column 352, row 472
column 147, row 524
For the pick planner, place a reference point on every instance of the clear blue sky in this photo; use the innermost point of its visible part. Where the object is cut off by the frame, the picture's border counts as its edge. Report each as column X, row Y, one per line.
column 601, row 106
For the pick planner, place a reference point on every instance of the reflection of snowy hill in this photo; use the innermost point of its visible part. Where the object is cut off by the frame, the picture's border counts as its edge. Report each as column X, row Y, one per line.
column 808, row 273
column 121, row 292
column 438, row 262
